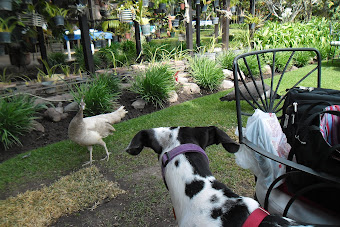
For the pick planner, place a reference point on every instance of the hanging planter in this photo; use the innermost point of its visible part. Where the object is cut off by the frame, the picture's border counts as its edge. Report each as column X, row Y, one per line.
column 58, row 14
column 215, row 20
column 27, row 2
column 5, row 37
column 175, row 23
column 241, row 19
column 104, row 12
column 162, row 7
column 181, row 37
column 126, row 16
column 146, row 29
column 59, row 20
column 145, row 3
column 6, row 5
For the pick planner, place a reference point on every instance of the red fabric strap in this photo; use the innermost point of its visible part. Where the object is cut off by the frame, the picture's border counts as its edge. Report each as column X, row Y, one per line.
column 255, row 218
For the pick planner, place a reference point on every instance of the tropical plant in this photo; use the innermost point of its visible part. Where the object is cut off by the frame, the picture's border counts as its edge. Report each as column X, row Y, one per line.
column 315, row 33
column 110, row 23
column 8, row 78
column 6, row 26
column 54, row 10
column 206, row 73
column 70, row 27
column 49, row 71
column 66, row 69
column 16, row 115
column 155, row 84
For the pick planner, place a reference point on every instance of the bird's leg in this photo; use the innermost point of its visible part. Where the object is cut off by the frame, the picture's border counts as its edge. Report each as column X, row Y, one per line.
column 91, row 160
column 107, row 152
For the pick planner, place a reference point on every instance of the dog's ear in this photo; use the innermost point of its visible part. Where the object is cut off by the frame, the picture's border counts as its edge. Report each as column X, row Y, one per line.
column 217, row 136
column 144, row 138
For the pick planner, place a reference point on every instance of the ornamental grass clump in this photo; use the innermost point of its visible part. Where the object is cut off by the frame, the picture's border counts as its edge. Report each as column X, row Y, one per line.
column 301, row 58
column 206, row 73
column 16, row 116
column 100, row 94
column 226, row 59
column 155, row 84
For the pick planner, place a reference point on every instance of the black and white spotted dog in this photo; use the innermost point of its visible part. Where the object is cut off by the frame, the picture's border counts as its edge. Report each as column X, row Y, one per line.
column 197, row 197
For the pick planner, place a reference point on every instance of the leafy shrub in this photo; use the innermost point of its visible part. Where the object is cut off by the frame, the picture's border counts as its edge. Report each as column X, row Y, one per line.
column 301, row 58
column 16, row 115
column 226, row 60
column 206, row 73
column 315, row 33
column 56, row 58
column 80, row 60
column 100, row 94
column 155, row 51
column 281, row 61
column 155, row 84
column 253, row 66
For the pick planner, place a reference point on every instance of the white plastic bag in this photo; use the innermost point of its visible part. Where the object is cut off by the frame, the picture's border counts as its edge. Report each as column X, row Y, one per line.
column 264, row 130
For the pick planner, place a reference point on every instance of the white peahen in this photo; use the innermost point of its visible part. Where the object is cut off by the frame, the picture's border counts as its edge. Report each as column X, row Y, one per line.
column 90, row 131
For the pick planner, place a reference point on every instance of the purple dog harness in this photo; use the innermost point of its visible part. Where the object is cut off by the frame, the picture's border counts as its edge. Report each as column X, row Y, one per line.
column 189, row 147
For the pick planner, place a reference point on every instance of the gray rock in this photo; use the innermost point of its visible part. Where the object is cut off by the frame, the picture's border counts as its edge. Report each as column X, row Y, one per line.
column 226, row 84
column 139, row 104
column 72, row 107
column 191, row 88
column 173, row 97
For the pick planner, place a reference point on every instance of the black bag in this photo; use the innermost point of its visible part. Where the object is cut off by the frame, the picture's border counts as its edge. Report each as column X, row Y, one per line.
column 300, row 123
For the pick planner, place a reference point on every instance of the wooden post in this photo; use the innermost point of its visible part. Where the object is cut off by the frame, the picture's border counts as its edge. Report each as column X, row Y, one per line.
column 225, row 26
column 216, row 31
column 252, row 11
column 138, row 43
column 198, row 24
column 86, row 42
column 190, row 45
column 42, row 46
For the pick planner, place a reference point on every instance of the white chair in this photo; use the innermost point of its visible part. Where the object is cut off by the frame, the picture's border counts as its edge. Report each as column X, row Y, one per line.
column 335, row 40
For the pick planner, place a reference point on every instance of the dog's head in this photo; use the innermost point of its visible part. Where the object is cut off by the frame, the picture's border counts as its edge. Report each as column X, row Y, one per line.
column 167, row 138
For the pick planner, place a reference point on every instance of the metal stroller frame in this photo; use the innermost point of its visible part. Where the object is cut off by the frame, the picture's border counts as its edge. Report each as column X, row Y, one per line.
column 273, row 105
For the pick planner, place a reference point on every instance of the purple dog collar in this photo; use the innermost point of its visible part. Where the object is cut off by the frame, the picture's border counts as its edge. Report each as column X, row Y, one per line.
column 168, row 156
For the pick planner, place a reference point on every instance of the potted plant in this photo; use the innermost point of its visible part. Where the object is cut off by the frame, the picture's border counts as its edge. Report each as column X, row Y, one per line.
column 49, row 77
column 58, row 14
column 6, row 5
column 172, row 32
column 214, row 18
column 70, row 30
column 6, row 29
column 146, row 29
column 181, row 32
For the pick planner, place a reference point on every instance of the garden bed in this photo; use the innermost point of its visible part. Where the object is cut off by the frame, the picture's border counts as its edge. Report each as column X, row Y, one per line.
column 57, row 131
